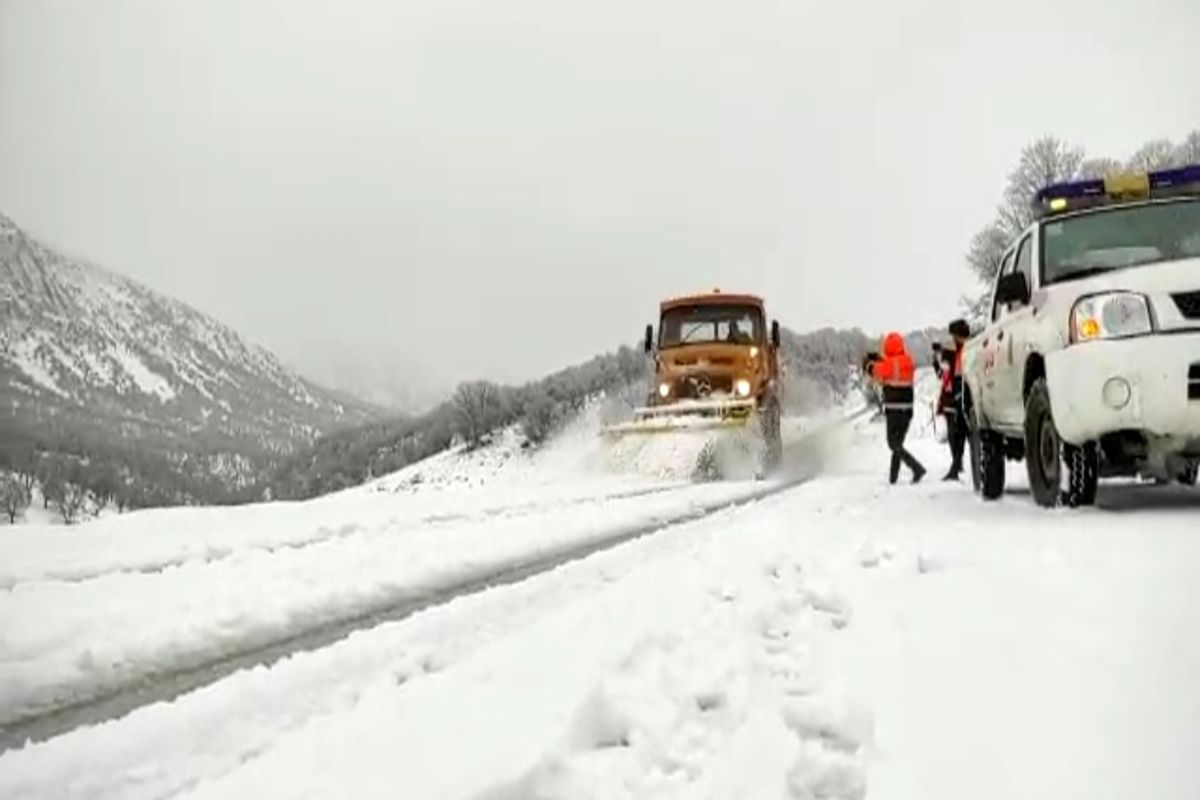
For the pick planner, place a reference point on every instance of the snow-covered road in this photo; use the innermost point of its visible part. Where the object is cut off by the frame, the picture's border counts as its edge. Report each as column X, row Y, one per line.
column 843, row 639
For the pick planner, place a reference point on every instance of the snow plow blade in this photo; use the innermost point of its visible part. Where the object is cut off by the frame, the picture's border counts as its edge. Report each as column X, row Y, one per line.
column 685, row 416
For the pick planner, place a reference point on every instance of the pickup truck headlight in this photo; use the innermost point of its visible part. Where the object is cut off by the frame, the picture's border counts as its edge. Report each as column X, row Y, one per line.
column 1112, row 315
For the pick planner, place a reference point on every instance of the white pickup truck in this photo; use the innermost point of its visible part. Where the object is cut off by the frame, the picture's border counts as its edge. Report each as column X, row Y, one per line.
column 1089, row 365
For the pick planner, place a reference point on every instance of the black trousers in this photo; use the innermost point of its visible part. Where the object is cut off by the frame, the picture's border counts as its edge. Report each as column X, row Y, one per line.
column 898, row 421
column 956, row 433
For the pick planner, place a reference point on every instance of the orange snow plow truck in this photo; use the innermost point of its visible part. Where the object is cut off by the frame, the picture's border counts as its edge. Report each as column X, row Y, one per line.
column 716, row 366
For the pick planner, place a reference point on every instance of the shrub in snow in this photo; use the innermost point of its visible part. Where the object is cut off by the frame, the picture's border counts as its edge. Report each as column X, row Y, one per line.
column 540, row 419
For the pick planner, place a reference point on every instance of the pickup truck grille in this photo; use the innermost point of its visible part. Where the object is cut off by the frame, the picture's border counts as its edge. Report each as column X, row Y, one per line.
column 1194, row 382
column 1189, row 304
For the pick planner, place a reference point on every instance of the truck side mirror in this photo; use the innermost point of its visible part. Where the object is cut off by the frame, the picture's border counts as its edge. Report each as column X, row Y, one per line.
column 648, row 344
column 775, row 337
column 1013, row 288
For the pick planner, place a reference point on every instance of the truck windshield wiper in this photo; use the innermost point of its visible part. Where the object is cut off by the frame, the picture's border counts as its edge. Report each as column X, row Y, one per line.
column 1086, row 272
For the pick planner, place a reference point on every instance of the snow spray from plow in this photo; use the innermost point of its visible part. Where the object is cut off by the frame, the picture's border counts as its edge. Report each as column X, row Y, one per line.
column 699, row 441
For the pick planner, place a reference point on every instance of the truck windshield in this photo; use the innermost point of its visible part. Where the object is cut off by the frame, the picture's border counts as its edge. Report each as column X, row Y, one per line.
column 1119, row 238
column 710, row 323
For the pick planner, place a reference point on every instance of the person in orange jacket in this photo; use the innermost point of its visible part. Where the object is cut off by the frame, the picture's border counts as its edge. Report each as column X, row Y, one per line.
column 894, row 372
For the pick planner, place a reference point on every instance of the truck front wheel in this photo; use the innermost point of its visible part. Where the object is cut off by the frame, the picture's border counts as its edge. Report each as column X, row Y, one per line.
column 1043, row 447
column 1045, row 454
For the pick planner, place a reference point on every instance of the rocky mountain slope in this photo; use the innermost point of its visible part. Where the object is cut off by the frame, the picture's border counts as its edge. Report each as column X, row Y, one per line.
column 92, row 361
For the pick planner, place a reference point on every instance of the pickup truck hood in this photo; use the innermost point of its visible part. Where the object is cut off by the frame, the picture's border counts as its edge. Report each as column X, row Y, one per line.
column 1167, row 277
column 1167, row 285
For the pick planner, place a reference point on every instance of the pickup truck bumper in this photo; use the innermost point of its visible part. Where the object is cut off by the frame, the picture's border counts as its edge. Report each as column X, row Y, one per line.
column 1146, row 384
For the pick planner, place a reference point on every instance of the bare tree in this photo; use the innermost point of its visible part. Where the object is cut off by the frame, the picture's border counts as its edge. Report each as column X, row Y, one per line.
column 1094, row 168
column 1189, row 151
column 70, row 501
column 1158, row 154
column 987, row 247
column 1046, row 161
column 478, row 410
column 14, row 497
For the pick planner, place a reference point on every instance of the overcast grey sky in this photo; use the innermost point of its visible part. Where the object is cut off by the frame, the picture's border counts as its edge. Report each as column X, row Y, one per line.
column 504, row 187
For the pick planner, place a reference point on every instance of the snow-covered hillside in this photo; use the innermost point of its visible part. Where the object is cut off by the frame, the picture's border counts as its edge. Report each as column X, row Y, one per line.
column 87, row 353
column 839, row 638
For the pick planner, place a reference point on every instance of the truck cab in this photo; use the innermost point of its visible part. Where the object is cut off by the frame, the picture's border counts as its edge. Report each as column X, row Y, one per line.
column 714, row 347
column 1089, row 362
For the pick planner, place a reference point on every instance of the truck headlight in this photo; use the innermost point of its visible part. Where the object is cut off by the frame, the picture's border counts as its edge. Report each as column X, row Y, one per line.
column 664, row 389
column 742, row 387
column 1111, row 315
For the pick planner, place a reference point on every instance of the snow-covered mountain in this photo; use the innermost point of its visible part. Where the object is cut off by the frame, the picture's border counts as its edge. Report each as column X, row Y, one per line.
column 88, row 353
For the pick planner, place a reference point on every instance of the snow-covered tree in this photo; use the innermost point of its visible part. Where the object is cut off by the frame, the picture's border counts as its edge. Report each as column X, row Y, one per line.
column 70, row 502
column 479, row 410
column 14, row 497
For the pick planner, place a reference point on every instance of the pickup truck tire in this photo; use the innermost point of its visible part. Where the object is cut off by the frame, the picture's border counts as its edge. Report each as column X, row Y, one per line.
column 992, row 469
column 1043, row 447
column 1188, row 476
column 1083, row 464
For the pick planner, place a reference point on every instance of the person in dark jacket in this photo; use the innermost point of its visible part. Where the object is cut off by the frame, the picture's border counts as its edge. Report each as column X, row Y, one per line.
column 894, row 371
column 951, row 401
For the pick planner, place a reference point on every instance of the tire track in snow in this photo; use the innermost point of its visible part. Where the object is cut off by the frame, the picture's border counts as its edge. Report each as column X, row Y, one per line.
column 322, row 535
column 166, row 686
column 799, row 467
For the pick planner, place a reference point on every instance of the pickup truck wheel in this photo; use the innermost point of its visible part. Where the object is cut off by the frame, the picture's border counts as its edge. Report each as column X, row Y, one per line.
column 992, row 469
column 1043, row 447
column 1188, row 476
column 1083, row 464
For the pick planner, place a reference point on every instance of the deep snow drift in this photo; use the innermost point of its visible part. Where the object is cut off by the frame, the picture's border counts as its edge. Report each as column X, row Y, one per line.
column 844, row 639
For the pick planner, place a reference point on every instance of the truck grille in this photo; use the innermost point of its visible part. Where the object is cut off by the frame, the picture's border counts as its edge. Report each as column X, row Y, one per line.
column 1194, row 382
column 1189, row 304
column 699, row 387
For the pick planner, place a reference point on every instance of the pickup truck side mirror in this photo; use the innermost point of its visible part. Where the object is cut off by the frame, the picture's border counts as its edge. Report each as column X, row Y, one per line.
column 648, row 344
column 775, row 337
column 1013, row 288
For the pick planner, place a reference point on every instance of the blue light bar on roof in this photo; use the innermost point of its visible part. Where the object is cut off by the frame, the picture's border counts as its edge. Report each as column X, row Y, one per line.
column 1075, row 195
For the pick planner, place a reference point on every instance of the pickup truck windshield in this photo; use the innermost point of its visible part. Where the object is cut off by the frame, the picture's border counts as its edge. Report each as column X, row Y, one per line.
column 705, row 324
column 1119, row 238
